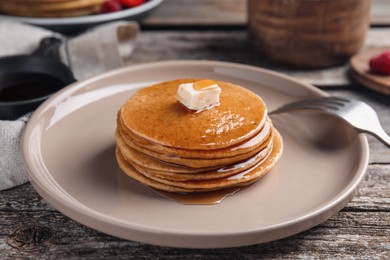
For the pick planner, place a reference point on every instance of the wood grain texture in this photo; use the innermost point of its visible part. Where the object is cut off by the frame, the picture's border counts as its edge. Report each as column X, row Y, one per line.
column 228, row 13
column 198, row 13
column 233, row 46
column 31, row 228
column 380, row 13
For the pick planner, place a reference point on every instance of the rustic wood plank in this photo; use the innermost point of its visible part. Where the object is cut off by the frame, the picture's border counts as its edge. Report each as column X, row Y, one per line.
column 234, row 46
column 374, row 192
column 198, row 13
column 380, row 13
column 349, row 234
column 228, row 13
column 47, row 234
column 33, row 229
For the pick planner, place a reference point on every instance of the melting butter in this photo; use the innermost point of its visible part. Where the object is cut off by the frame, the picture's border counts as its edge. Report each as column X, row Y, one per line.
column 199, row 95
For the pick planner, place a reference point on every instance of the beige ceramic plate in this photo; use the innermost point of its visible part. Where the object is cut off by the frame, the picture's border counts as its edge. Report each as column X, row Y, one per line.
column 82, row 22
column 68, row 147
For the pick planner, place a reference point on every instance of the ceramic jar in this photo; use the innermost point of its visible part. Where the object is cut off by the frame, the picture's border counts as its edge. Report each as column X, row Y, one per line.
column 308, row 33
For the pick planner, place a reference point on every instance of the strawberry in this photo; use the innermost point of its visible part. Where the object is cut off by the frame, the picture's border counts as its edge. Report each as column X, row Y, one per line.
column 131, row 3
column 381, row 63
column 110, row 6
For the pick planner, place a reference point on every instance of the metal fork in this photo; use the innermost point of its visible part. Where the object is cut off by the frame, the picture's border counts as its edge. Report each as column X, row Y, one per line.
column 358, row 114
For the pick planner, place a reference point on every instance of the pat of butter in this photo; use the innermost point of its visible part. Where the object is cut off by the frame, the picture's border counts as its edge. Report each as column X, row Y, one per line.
column 199, row 95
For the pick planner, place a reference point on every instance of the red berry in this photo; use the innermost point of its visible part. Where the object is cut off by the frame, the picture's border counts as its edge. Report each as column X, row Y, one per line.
column 110, row 6
column 381, row 63
column 132, row 3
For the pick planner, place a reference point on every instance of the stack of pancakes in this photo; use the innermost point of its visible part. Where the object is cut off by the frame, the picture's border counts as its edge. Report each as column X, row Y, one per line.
column 50, row 8
column 166, row 146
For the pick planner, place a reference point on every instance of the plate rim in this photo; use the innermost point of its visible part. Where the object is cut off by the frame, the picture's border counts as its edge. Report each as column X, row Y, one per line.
column 334, row 205
column 87, row 19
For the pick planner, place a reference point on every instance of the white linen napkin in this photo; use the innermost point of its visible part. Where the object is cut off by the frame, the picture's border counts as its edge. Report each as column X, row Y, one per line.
column 99, row 49
column 12, row 169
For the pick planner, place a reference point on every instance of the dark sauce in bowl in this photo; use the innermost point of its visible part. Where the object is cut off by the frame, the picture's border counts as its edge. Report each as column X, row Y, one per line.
column 26, row 86
column 26, row 81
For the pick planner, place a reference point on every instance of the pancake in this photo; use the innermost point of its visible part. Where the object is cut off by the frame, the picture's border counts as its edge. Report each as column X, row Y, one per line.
column 41, row 1
column 154, row 114
column 152, row 166
column 131, row 149
column 241, row 179
column 193, row 162
column 224, row 171
column 162, row 144
column 50, row 8
column 150, row 163
column 51, row 14
column 240, row 148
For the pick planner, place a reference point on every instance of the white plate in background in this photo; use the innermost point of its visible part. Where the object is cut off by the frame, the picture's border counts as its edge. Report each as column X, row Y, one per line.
column 82, row 22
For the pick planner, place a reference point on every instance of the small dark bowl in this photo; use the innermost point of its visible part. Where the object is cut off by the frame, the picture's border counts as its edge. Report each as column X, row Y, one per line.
column 26, row 81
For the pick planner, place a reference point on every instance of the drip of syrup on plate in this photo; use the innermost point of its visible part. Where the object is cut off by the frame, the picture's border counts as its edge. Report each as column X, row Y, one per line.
column 200, row 198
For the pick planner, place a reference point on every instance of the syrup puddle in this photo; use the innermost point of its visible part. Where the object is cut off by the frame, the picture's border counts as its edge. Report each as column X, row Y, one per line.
column 200, row 198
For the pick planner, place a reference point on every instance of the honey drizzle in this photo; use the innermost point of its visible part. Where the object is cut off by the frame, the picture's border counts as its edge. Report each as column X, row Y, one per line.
column 200, row 198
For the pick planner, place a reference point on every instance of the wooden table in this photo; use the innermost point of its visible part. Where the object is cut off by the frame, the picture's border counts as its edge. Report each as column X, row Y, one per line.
column 215, row 30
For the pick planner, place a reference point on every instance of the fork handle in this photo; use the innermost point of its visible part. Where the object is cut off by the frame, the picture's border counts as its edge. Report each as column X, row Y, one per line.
column 382, row 136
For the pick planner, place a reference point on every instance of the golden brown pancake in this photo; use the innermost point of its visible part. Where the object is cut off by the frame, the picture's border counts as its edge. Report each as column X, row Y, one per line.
column 164, row 145
column 41, row 1
column 126, row 144
column 146, row 161
column 50, row 8
column 225, row 171
column 241, row 179
column 154, row 114
column 237, row 149
column 52, row 14
column 193, row 162
column 151, row 166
